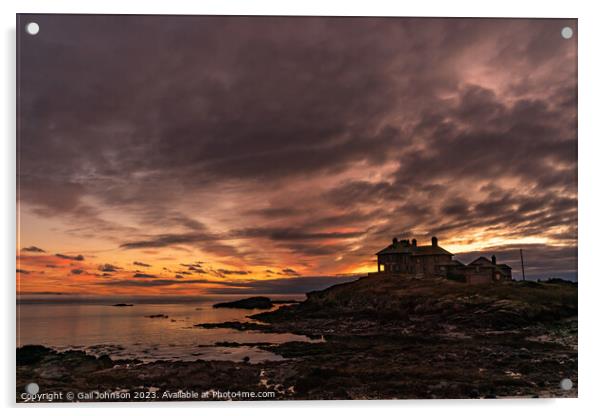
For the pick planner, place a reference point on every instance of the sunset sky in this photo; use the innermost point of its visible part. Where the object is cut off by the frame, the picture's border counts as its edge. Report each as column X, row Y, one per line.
column 205, row 155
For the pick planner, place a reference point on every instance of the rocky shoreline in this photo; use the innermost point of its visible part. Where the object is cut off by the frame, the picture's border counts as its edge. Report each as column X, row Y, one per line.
column 383, row 339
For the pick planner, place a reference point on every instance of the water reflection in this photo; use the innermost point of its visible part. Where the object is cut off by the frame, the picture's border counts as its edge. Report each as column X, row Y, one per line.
column 128, row 332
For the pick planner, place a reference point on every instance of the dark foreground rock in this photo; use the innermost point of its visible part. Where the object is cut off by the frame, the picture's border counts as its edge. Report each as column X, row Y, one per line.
column 385, row 338
column 78, row 373
column 392, row 337
column 123, row 304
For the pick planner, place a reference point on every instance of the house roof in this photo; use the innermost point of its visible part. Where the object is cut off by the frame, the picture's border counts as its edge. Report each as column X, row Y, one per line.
column 488, row 263
column 481, row 260
column 396, row 249
column 404, row 248
column 430, row 251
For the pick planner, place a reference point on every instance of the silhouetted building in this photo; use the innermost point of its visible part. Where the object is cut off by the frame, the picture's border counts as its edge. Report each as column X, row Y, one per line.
column 407, row 257
column 403, row 256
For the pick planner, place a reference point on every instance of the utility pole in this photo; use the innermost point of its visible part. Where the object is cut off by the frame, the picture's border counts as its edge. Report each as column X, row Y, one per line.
column 522, row 263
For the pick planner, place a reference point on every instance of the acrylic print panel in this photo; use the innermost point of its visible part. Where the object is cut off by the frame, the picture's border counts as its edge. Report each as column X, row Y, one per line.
column 283, row 208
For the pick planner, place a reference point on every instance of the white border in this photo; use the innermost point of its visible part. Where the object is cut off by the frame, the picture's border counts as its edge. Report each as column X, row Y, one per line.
column 590, row 209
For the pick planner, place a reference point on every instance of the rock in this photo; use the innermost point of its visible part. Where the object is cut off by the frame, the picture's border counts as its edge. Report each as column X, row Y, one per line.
column 228, row 344
column 256, row 302
column 159, row 315
column 31, row 354
column 434, row 301
column 123, row 304
column 79, row 372
column 240, row 326
column 53, row 372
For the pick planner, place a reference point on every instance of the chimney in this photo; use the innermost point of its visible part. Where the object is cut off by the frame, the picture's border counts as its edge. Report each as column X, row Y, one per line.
column 434, row 241
column 493, row 259
column 414, row 242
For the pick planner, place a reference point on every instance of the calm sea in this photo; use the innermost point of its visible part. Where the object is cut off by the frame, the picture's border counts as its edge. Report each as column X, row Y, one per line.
column 94, row 325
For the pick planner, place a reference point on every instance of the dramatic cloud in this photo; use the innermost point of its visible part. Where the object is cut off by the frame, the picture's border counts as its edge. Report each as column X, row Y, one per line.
column 109, row 268
column 291, row 234
column 285, row 147
column 160, row 282
column 167, row 240
column 286, row 272
column 79, row 257
column 194, row 267
column 226, row 272
column 33, row 249
column 145, row 275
